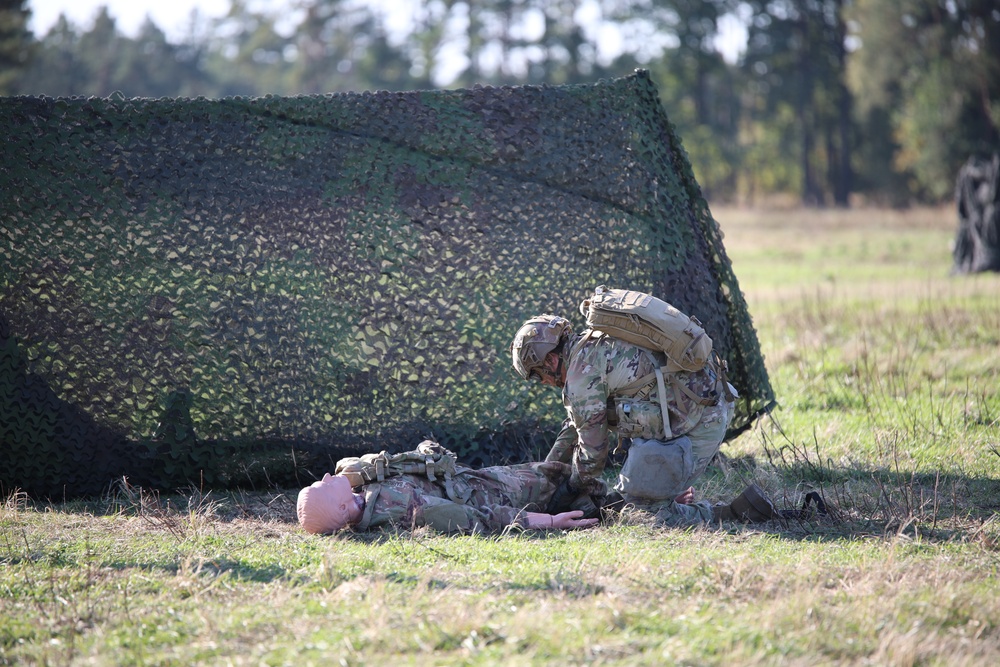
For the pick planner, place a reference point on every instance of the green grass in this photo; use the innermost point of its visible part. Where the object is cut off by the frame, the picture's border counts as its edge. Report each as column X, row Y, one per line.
column 888, row 377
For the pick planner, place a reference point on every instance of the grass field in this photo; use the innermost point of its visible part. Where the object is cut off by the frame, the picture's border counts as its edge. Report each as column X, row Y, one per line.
column 888, row 377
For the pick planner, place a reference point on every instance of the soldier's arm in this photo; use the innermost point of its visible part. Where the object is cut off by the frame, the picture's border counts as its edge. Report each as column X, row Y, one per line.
column 586, row 398
column 562, row 448
column 591, row 452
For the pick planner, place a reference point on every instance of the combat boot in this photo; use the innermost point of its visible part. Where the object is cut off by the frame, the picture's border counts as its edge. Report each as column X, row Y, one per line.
column 722, row 512
column 751, row 505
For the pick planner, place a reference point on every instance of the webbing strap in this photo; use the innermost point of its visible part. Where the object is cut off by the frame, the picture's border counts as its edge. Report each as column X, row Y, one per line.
column 371, row 495
column 722, row 366
column 661, row 389
column 460, row 497
column 700, row 400
column 636, row 384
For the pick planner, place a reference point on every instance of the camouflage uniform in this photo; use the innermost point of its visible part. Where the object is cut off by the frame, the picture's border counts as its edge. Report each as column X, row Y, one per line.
column 495, row 498
column 599, row 367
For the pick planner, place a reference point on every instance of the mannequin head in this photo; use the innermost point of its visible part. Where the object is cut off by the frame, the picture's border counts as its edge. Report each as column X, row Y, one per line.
column 328, row 505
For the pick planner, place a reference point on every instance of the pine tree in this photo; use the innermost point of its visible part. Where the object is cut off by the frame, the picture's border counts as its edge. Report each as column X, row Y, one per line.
column 16, row 44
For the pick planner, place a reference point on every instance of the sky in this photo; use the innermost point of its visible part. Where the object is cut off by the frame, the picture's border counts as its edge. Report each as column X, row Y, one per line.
column 174, row 17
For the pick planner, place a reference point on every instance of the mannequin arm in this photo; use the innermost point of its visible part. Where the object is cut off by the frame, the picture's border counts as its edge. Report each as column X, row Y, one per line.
column 563, row 520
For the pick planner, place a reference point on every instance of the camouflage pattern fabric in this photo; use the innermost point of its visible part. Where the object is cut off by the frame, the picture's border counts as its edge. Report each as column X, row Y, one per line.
column 601, row 366
column 675, row 515
column 500, row 497
column 240, row 292
column 707, row 436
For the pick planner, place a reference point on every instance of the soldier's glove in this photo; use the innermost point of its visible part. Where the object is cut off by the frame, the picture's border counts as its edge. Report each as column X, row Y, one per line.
column 568, row 497
column 563, row 497
column 611, row 503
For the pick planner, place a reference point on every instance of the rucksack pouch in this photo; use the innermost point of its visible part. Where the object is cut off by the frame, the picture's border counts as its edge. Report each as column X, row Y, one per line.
column 656, row 471
column 430, row 460
column 633, row 418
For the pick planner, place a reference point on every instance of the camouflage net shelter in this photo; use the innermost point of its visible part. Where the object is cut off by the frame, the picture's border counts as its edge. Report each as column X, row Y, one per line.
column 241, row 291
column 977, row 197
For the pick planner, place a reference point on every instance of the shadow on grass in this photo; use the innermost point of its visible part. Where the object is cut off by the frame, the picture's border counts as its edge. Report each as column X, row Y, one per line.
column 864, row 501
column 236, row 569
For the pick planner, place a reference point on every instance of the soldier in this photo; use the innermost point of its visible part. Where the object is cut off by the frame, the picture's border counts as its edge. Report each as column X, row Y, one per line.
column 603, row 390
column 488, row 500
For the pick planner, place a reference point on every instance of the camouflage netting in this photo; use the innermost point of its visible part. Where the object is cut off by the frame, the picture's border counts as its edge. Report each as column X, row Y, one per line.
column 239, row 291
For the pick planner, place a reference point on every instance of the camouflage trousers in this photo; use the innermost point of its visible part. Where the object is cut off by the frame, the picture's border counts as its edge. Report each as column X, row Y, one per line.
column 706, row 438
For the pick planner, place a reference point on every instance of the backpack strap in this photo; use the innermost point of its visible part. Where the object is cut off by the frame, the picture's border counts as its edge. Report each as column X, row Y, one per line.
column 573, row 345
column 443, row 472
column 648, row 379
column 678, row 387
column 457, row 492
column 661, row 390
column 721, row 370
column 371, row 495
column 639, row 383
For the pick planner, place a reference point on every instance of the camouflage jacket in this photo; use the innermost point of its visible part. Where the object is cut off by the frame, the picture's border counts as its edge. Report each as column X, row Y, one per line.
column 599, row 367
column 498, row 497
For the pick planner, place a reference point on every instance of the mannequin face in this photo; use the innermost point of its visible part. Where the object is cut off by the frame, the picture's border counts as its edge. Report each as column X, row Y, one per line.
column 329, row 505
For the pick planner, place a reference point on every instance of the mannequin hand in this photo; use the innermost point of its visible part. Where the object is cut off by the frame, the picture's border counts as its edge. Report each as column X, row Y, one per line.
column 571, row 520
column 563, row 520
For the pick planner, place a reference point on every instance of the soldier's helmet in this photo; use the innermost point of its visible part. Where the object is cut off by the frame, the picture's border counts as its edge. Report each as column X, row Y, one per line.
column 535, row 339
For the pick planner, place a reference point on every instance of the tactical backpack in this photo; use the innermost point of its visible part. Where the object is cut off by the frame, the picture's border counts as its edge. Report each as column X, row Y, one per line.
column 644, row 320
column 656, row 326
column 429, row 460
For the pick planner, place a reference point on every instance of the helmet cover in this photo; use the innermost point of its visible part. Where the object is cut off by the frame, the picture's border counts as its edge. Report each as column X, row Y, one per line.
column 534, row 340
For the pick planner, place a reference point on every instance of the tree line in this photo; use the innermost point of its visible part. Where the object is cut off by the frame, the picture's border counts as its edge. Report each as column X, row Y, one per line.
column 830, row 102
